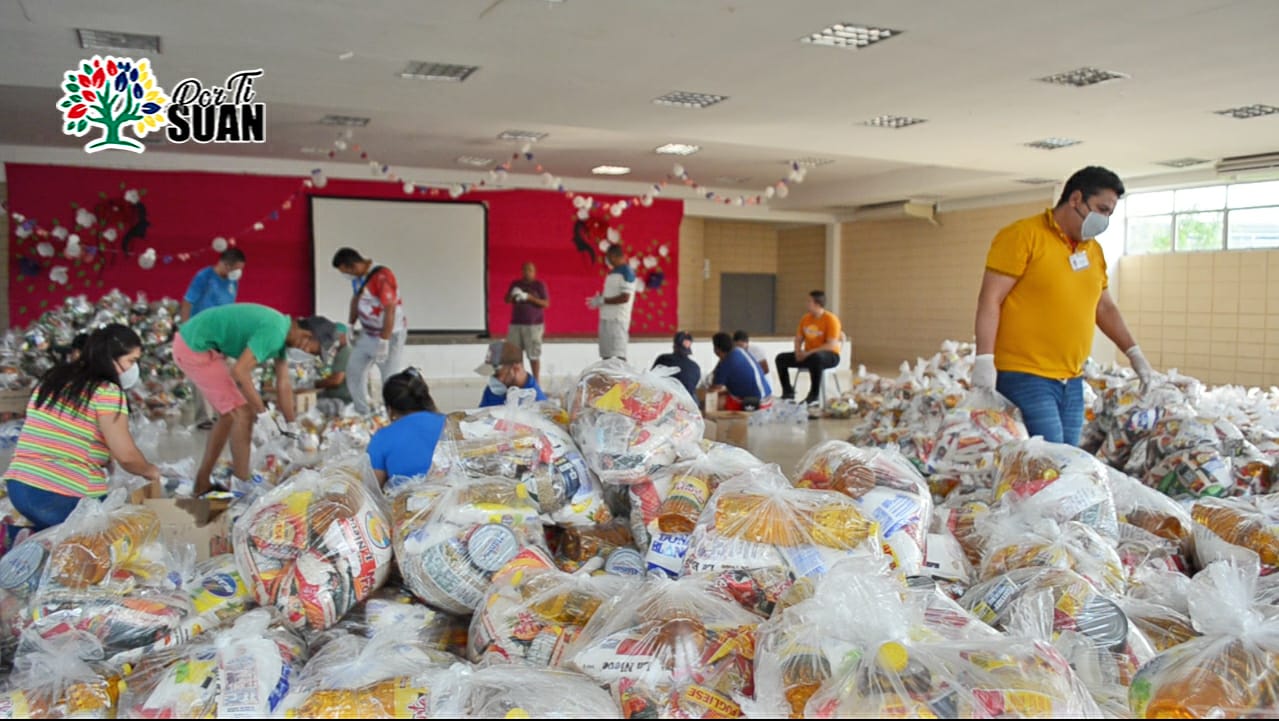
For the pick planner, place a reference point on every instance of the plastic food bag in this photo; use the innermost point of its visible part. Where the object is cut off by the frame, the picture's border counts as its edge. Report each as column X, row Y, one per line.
column 382, row 677
column 1128, row 416
column 1151, row 511
column 611, row 543
column 451, row 537
column 759, row 522
column 315, row 546
column 1230, row 671
column 1051, row 480
column 629, row 425
column 677, row 649
column 960, row 516
column 970, row 435
column 533, row 611
column 243, row 671
column 526, row 692
column 1244, row 530
column 394, row 609
column 885, row 486
column 61, row 677
column 672, row 499
column 1013, row 543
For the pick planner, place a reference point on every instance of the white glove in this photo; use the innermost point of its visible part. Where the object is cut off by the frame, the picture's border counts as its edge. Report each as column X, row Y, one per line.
column 292, row 428
column 984, row 374
column 383, row 350
column 519, row 295
column 1141, row 366
column 595, row 301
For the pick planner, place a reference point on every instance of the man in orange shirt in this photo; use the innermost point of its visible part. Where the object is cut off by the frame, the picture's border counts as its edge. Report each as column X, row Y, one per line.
column 816, row 348
column 1043, row 292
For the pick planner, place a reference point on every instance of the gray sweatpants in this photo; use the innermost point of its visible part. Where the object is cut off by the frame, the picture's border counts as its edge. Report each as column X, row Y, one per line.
column 362, row 355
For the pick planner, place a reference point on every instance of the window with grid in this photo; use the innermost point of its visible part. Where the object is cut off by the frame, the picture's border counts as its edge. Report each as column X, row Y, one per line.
column 1239, row 216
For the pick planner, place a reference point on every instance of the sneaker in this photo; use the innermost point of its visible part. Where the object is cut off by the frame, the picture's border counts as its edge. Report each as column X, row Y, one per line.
column 204, row 426
column 814, row 409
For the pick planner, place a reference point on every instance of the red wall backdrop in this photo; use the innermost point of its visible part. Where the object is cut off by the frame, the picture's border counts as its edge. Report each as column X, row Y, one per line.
column 186, row 210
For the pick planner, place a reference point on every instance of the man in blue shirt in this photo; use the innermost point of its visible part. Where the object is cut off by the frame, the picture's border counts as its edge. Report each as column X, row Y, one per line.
column 508, row 373
column 215, row 285
column 740, row 376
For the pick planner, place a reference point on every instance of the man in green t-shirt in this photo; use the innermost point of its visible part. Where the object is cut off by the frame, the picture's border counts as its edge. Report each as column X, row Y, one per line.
column 334, row 395
column 251, row 334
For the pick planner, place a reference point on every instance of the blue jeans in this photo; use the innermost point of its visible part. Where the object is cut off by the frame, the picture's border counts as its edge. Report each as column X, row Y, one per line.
column 43, row 508
column 1051, row 409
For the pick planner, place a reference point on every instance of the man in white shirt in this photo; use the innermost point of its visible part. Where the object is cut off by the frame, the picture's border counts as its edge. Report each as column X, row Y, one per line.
column 743, row 341
column 615, row 305
column 384, row 329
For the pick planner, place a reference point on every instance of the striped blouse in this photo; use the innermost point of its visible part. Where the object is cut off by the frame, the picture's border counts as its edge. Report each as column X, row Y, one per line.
column 62, row 450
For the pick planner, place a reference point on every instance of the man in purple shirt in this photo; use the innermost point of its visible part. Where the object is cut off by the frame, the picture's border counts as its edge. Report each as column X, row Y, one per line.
column 529, row 300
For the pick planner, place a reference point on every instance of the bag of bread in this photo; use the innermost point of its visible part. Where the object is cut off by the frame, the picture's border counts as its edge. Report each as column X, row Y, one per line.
column 884, row 485
column 1229, row 672
column 451, row 536
column 675, row 649
column 242, row 671
column 533, row 610
column 1243, row 530
column 629, row 424
column 316, row 545
column 1050, row 480
column 60, row 677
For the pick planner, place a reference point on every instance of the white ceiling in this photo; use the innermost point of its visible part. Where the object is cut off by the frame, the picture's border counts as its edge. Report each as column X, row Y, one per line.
column 585, row 71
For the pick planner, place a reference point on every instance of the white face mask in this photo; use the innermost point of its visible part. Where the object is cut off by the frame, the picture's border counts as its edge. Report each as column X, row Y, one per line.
column 297, row 355
column 235, row 274
column 129, row 378
column 1094, row 225
column 351, row 277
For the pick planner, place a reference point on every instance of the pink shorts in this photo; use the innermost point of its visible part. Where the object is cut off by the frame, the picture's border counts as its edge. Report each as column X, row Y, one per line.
column 209, row 372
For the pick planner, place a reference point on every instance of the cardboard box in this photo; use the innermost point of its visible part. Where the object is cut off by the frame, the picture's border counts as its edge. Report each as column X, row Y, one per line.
column 14, row 402
column 731, row 427
column 201, row 523
column 304, row 399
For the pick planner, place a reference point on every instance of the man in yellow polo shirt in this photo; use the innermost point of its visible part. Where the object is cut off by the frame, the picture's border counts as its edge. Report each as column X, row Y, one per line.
column 816, row 348
column 1043, row 291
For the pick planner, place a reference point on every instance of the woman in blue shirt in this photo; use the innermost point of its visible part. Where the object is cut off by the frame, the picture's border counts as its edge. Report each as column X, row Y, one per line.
column 405, row 448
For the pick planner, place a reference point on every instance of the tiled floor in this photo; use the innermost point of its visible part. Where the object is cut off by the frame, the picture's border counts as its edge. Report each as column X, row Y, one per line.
column 786, row 444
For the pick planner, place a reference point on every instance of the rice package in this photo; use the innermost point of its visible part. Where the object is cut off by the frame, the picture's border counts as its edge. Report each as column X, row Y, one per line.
column 450, row 537
column 674, row 649
column 630, row 424
column 315, row 546
column 1056, row 481
column 884, row 485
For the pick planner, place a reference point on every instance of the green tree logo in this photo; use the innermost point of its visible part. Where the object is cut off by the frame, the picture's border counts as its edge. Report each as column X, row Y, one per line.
column 111, row 93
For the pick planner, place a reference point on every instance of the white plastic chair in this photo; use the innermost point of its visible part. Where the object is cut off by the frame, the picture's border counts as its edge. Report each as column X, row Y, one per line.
column 830, row 374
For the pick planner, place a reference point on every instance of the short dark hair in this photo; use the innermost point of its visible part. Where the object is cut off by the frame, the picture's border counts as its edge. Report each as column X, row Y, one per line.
column 231, row 256
column 346, row 256
column 740, row 336
column 819, row 296
column 615, row 250
column 723, row 342
column 407, row 392
column 1091, row 181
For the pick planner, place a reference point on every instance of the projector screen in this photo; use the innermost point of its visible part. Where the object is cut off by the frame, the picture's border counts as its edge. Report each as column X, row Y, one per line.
column 437, row 251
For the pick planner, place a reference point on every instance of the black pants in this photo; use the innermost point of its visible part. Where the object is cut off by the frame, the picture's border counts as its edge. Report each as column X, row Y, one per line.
column 815, row 363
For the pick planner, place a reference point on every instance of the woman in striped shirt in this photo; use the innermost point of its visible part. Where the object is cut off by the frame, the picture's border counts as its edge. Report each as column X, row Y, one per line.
column 77, row 423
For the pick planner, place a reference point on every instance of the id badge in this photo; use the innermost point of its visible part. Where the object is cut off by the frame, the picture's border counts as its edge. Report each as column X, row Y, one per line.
column 1079, row 261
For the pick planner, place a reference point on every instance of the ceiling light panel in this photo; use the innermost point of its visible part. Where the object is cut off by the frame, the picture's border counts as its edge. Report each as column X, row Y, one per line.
column 1083, row 77
column 809, row 162
column 850, row 35
column 420, row 70
column 1053, row 143
column 676, row 149
column 346, row 121
column 474, row 161
column 109, row 40
column 522, row 136
column 610, row 170
column 1035, row 181
column 1245, row 112
column 688, row 99
column 896, row 122
column 1182, row 162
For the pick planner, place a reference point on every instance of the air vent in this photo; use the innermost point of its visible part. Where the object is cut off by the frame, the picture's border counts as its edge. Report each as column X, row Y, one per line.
column 809, row 162
column 474, row 161
column 110, row 40
column 346, row 121
column 687, row 99
column 1182, row 162
column 1247, row 112
column 677, row 149
column 1053, row 143
column 896, row 122
column 1083, row 77
column 1242, row 163
column 1035, row 181
column 421, row 70
column 521, row 136
column 850, row 36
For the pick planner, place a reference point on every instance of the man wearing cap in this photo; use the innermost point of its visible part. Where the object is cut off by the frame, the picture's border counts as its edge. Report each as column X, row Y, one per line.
column 739, row 376
column 689, row 373
column 334, row 395
column 529, row 300
column 384, row 329
column 250, row 334
column 508, row 373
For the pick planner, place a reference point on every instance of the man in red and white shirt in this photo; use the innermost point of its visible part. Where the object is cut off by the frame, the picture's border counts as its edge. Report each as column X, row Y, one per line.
column 376, row 304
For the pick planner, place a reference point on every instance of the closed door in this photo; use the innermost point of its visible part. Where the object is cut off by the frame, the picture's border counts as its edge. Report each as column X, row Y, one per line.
column 747, row 302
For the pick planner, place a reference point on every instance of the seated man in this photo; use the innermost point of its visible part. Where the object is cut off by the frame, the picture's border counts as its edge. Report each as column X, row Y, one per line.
column 508, row 373
column 739, row 377
column 689, row 372
column 743, row 341
column 334, row 395
column 816, row 348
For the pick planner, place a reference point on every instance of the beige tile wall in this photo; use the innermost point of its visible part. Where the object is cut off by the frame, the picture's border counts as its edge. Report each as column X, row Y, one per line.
column 1214, row 316
column 908, row 285
column 801, row 267
column 692, row 250
column 734, row 247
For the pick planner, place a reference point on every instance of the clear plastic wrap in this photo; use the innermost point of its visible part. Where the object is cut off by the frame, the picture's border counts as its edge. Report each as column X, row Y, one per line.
column 631, row 424
column 384, row 677
column 611, row 543
column 758, row 522
column 243, row 671
column 395, row 609
column 672, row 499
column 970, row 434
column 1128, row 416
column 885, row 486
column 450, row 537
column 526, row 692
column 960, row 515
column 315, row 546
column 1244, row 530
column 1150, row 510
column 533, row 610
column 1055, row 481
column 1014, row 543
column 61, row 677
column 676, row 649
column 1227, row 673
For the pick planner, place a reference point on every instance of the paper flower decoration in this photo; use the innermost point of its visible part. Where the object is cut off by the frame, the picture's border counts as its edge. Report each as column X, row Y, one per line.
column 409, row 188
column 318, row 179
column 59, row 232
column 73, row 248
column 84, row 218
column 664, row 250
column 45, row 249
column 58, row 275
column 219, row 244
column 614, row 234
column 147, row 259
column 132, row 196
column 110, row 234
column 604, row 246
column 650, row 262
